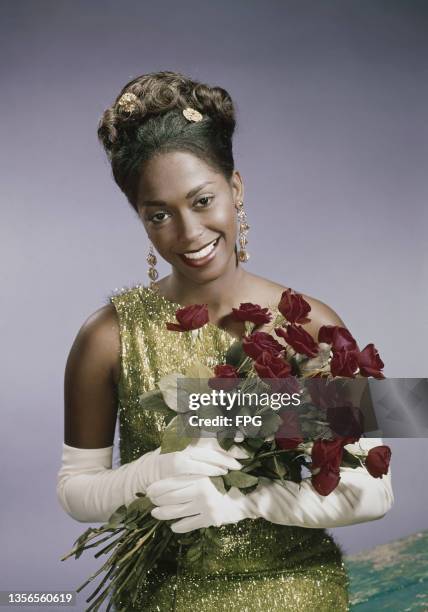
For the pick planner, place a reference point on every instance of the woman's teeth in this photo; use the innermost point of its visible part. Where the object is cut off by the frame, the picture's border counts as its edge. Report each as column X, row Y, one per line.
column 202, row 253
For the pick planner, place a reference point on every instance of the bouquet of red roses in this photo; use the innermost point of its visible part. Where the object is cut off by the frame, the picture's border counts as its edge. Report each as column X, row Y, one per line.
column 271, row 440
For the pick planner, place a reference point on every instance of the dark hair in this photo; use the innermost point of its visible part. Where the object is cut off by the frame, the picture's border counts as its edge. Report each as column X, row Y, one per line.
column 156, row 124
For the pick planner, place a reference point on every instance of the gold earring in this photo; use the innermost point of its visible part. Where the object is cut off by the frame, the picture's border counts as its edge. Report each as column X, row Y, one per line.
column 152, row 272
column 243, row 254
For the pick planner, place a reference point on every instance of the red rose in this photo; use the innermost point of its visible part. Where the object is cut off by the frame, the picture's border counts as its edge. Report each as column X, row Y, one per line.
column 271, row 366
column 346, row 420
column 226, row 377
column 190, row 317
column 299, row 339
column 327, row 452
column 274, row 369
column 251, row 312
column 293, row 307
column 344, row 363
column 324, row 393
column 377, row 460
column 370, row 362
column 339, row 337
column 289, row 434
column 326, row 480
column 257, row 342
column 326, row 459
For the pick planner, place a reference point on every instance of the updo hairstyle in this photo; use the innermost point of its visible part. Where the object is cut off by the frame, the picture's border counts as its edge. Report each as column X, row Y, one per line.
column 154, row 124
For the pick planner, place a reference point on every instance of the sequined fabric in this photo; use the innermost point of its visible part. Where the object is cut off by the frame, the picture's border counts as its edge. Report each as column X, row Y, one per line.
column 255, row 565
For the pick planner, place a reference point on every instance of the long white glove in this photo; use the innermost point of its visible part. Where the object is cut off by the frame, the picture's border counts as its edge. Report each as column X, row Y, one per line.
column 359, row 497
column 89, row 490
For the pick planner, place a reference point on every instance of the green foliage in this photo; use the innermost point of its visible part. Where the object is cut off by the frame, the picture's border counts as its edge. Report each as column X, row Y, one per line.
column 172, row 440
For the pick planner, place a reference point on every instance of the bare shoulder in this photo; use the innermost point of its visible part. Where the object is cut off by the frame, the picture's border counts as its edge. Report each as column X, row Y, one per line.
column 320, row 313
column 99, row 339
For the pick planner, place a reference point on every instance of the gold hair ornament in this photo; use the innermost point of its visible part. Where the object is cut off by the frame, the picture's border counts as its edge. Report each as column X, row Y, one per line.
column 128, row 102
column 192, row 114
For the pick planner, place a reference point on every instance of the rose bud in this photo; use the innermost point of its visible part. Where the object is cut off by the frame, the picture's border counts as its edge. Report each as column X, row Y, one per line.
column 252, row 313
column 339, row 337
column 272, row 368
column 289, row 434
column 344, row 363
column 257, row 342
column 190, row 317
column 326, row 480
column 346, row 420
column 294, row 307
column 370, row 362
column 226, row 377
column 299, row 339
column 324, row 393
column 377, row 460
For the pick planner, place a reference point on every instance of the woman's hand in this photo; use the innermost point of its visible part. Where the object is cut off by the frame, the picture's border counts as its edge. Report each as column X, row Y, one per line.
column 197, row 501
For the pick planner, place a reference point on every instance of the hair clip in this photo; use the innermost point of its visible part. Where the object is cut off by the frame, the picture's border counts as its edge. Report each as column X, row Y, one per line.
column 127, row 102
column 192, row 115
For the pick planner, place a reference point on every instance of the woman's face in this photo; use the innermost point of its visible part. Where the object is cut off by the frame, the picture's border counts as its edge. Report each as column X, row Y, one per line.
column 186, row 205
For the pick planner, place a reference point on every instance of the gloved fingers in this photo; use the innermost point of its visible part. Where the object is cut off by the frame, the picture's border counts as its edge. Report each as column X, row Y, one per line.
column 201, row 468
column 176, row 496
column 165, row 485
column 219, row 458
column 188, row 524
column 173, row 511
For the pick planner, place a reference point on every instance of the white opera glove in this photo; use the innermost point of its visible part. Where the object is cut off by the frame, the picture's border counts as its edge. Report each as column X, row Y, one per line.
column 197, row 501
column 89, row 490
column 359, row 497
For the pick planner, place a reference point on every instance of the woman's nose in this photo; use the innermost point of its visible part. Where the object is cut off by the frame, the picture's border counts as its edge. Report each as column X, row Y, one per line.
column 189, row 231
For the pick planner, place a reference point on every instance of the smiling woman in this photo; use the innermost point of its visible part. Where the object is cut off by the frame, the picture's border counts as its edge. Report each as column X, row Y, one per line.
column 169, row 141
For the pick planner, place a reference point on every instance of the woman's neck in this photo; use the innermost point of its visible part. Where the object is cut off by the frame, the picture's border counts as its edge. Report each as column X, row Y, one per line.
column 221, row 294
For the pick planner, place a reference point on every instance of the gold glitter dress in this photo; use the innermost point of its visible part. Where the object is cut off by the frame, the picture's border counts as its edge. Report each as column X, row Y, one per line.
column 258, row 565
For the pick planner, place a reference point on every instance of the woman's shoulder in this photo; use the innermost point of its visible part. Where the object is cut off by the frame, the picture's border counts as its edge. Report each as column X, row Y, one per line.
column 320, row 313
column 99, row 340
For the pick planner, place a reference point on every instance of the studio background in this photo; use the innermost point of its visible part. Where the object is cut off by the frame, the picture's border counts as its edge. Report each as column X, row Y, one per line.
column 331, row 142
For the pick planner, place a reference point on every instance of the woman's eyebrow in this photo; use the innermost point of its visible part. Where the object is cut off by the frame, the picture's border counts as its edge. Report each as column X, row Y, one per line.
column 191, row 193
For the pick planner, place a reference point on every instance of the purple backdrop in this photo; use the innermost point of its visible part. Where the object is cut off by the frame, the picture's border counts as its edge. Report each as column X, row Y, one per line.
column 332, row 146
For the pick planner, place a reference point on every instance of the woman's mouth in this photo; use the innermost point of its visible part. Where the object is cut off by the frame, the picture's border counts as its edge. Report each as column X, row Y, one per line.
column 201, row 257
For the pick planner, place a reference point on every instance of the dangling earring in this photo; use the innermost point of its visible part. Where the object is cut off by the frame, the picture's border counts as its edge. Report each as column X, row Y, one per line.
column 243, row 254
column 152, row 272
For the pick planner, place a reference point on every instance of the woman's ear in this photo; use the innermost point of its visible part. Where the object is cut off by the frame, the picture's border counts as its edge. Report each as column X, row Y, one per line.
column 237, row 186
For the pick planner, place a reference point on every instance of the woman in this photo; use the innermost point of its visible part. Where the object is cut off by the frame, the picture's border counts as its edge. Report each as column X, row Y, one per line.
column 169, row 141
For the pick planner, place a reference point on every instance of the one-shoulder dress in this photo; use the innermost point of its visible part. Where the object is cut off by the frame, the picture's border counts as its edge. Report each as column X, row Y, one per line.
column 257, row 565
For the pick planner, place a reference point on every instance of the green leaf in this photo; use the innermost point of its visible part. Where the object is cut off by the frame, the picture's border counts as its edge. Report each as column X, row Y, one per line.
column 210, row 412
column 270, row 424
column 172, row 440
column 240, row 479
column 117, row 517
column 224, row 440
column 195, row 552
column 349, row 460
column 140, row 505
column 212, row 535
column 235, row 354
column 254, row 443
column 275, row 465
column 153, row 400
column 219, row 483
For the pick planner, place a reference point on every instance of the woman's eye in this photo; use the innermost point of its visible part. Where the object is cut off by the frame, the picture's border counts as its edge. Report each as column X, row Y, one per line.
column 155, row 218
column 206, row 200
column 159, row 217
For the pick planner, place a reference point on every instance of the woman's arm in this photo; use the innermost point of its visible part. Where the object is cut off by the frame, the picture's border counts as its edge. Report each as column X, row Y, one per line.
column 88, row 489
column 359, row 497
